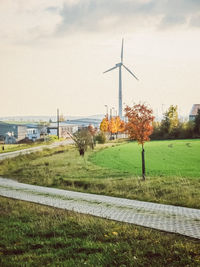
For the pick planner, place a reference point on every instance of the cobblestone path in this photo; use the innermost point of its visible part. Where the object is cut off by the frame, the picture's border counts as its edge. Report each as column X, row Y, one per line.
column 184, row 221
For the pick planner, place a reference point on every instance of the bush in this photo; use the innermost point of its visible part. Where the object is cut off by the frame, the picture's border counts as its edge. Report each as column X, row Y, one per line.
column 52, row 138
column 101, row 138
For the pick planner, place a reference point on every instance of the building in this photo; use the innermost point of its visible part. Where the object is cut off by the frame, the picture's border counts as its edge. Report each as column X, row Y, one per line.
column 85, row 122
column 64, row 129
column 194, row 112
column 36, row 131
column 12, row 133
column 33, row 134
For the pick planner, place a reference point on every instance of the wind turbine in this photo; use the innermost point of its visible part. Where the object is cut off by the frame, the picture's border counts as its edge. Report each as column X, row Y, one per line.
column 119, row 65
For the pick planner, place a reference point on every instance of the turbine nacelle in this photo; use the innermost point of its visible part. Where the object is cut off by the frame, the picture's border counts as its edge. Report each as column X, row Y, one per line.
column 118, row 65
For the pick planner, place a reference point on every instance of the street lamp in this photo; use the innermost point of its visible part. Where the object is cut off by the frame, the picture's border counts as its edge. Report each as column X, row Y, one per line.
column 110, row 113
column 113, row 111
column 106, row 110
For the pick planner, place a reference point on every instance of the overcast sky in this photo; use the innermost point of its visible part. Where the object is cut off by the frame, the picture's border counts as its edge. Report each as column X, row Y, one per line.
column 53, row 54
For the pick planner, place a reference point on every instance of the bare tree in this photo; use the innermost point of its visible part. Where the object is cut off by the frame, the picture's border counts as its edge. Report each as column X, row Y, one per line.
column 83, row 139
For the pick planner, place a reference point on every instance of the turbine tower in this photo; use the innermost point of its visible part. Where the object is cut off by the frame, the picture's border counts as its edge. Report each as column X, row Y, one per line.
column 120, row 65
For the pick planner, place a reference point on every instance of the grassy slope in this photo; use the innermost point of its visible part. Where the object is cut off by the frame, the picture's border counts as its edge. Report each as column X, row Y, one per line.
column 64, row 168
column 163, row 158
column 35, row 235
column 16, row 147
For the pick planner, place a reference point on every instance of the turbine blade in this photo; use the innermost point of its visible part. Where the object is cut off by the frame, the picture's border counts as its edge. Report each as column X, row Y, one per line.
column 110, row 69
column 130, row 72
column 122, row 50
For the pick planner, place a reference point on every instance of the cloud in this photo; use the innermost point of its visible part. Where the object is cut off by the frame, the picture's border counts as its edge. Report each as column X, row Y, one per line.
column 90, row 15
column 98, row 14
column 35, row 19
column 24, row 21
column 195, row 21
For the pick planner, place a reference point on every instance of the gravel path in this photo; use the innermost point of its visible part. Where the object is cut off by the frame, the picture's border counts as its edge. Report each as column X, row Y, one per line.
column 33, row 149
column 184, row 221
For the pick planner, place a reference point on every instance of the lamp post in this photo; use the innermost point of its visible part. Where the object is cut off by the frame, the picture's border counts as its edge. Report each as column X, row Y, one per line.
column 58, row 120
column 106, row 110
column 110, row 113
column 113, row 111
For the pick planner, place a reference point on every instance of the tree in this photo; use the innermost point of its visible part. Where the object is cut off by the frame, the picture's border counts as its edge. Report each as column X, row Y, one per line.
column 112, row 126
column 104, row 125
column 82, row 140
column 61, row 118
column 197, row 123
column 92, row 132
column 170, row 122
column 139, row 126
column 121, row 128
column 120, row 125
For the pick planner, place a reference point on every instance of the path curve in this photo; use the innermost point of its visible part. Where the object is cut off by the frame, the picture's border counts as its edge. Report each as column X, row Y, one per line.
column 174, row 219
column 33, row 149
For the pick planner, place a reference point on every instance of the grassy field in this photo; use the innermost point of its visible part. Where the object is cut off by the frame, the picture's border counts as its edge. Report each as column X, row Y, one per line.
column 64, row 168
column 179, row 158
column 35, row 235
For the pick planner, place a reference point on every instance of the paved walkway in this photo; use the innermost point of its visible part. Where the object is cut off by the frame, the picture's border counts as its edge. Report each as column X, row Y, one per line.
column 33, row 149
column 184, row 221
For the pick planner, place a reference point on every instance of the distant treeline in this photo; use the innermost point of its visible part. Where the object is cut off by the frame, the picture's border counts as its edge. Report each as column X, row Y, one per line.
column 172, row 128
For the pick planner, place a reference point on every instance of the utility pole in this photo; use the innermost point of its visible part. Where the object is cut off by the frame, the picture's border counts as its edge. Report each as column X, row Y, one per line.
column 58, row 119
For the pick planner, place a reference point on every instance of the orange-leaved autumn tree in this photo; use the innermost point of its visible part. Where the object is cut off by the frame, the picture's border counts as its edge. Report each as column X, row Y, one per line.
column 104, row 125
column 139, row 126
column 120, row 124
column 113, row 125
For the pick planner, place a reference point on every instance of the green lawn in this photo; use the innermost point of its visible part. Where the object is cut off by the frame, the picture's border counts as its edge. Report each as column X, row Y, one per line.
column 180, row 158
column 35, row 235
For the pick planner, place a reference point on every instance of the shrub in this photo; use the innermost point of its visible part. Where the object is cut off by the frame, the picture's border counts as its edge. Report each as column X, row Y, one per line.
column 101, row 138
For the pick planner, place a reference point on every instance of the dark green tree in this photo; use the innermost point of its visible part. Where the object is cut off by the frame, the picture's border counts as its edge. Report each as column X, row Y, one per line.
column 197, row 123
column 169, row 124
